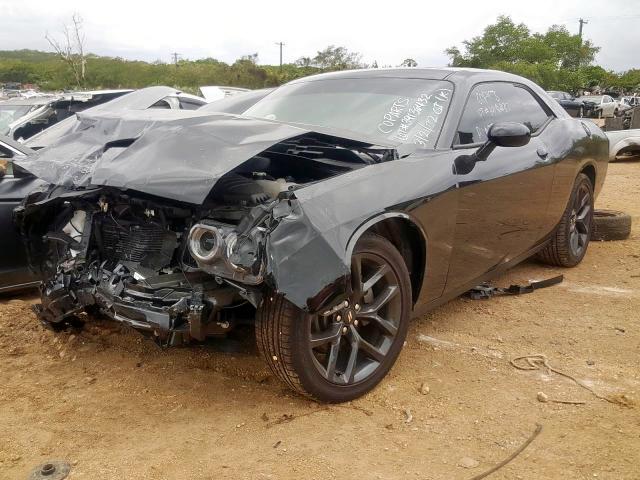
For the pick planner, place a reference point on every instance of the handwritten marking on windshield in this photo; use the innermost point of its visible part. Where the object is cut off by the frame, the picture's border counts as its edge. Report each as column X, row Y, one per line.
column 390, row 118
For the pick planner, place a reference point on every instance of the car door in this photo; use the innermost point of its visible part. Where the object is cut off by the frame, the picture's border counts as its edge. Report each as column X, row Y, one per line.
column 14, row 186
column 503, row 201
column 567, row 104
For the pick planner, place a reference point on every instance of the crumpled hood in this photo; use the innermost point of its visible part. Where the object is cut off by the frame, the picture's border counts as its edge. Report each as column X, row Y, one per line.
column 173, row 154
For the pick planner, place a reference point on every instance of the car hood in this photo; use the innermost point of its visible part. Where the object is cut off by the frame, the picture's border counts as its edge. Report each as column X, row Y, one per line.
column 173, row 154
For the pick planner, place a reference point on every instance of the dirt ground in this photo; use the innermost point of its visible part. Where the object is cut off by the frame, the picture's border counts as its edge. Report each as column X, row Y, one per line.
column 117, row 407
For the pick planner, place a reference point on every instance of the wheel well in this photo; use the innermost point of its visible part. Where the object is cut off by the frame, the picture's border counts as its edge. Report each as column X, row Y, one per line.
column 590, row 172
column 411, row 244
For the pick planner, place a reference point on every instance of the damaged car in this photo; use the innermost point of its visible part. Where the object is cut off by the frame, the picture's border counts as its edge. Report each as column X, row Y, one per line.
column 329, row 214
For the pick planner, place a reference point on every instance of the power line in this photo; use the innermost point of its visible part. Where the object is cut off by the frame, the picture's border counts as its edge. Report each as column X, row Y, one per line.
column 176, row 56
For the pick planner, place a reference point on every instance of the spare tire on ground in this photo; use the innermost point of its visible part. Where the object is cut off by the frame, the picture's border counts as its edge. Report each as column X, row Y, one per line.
column 610, row 225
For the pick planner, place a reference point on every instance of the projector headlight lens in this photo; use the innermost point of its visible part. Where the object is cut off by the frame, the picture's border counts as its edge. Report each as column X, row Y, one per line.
column 205, row 243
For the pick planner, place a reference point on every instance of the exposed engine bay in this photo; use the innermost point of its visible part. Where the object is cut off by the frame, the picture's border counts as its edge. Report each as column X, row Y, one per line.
column 175, row 270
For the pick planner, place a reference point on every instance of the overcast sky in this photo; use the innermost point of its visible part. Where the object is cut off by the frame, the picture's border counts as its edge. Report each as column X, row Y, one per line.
column 384, row 31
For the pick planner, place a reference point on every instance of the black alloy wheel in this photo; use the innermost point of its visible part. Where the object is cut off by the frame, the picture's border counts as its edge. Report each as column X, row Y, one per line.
column 568, row 243
column 346, row 349
column 580, row 220
column 349, row 344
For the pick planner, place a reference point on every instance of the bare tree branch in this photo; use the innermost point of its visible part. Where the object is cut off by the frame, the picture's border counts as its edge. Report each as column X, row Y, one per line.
column 72, row 50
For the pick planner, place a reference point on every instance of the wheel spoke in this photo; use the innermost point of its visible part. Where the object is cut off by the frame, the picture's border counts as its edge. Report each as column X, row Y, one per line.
column 350, row 370
column 370, row 350
column 328, row 336
column 573, row 240
column 583, row 213
column 356, row 276
column 375, row 278
column 582, row 239
column 582, row 200
column 388, row 327
column 333, row 360
column 381, row 300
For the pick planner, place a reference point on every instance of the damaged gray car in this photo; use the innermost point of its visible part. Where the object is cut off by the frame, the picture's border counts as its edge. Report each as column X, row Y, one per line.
column 329, row 213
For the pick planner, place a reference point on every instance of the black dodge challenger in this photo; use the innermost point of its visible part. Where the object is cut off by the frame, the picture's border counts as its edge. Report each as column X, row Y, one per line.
column 329, row 213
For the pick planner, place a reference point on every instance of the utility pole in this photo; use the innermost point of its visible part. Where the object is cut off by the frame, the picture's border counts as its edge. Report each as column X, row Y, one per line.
column 582, row 22
column 281, row 45
column 175, row 56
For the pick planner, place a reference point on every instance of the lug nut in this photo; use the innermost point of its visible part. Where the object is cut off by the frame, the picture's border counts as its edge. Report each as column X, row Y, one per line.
column 339, row 318
column 355, row 322
column 357, row 306
column 344, row 329
column 346, row 303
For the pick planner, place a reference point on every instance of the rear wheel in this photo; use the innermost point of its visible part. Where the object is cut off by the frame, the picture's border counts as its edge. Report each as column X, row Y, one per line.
column 344, row 351
column 569, row 243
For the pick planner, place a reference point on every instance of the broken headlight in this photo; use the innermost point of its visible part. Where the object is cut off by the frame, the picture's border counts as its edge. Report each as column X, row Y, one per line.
column 219, row 250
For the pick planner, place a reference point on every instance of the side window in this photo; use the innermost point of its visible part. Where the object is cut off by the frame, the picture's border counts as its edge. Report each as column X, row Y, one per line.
column 491, row 103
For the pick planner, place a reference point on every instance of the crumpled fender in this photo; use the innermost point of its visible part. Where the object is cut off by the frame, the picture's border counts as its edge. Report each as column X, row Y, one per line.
column 309, row 252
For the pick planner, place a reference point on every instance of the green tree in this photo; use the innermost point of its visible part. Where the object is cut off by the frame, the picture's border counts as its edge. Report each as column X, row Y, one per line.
column 337, row 58
column 556, row 59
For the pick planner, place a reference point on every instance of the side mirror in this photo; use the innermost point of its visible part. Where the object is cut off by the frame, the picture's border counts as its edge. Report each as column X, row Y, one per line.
column 509, row 134
column 504, row 134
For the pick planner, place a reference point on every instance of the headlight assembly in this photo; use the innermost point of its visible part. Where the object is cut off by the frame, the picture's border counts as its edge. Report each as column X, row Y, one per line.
column 219, row 250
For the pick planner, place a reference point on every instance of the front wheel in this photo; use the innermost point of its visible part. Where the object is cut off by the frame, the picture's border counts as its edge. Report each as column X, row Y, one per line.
column 568, row 244
column 345, row 350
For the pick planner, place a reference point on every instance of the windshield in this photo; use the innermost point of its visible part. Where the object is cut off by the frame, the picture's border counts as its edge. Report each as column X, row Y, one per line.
column 556, row 95
column 402, row 110
column 11, row 113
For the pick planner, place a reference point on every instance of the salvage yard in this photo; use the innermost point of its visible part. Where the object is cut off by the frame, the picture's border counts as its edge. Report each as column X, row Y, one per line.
column 115, row 406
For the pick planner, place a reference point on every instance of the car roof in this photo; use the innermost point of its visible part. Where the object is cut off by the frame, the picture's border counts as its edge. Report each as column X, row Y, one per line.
column 440, row 73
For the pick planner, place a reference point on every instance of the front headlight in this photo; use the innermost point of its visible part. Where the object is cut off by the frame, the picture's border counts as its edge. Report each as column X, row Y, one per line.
column 205, row 243
column 219, row 250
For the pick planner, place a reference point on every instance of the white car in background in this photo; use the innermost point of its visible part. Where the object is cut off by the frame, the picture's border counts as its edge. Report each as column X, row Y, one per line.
column 212, row 93
column 601, row 106
column 157, row 97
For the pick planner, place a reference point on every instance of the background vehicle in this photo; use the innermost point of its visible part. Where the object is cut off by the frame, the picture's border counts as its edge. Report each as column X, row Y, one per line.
column 21, row 118
column 237, row 104
column 600, row 106
column 573, row 106
column 631, row 101
column 333, row 210
column 623, row 142
column 212, row 93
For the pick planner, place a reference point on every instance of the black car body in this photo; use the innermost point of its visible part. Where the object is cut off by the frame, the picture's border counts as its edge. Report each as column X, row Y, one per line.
column 336, row 207
column 574, row 106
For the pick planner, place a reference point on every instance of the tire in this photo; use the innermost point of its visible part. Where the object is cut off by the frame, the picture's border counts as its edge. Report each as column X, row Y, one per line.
column 284, row 333
column 565, row 249
column 610, row 225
